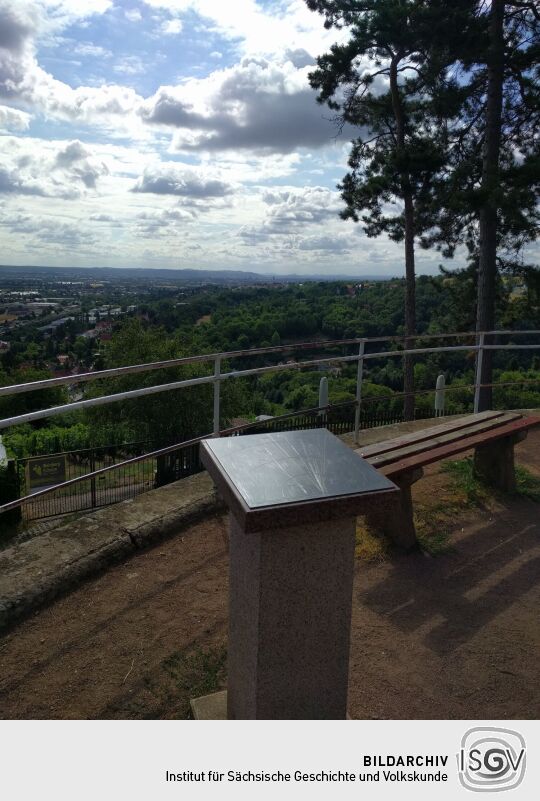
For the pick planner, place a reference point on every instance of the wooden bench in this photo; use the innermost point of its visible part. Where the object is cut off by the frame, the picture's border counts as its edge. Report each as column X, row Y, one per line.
column 491, row 434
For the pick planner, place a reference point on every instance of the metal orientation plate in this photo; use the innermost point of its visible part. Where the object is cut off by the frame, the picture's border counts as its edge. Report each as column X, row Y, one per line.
column 291, row 467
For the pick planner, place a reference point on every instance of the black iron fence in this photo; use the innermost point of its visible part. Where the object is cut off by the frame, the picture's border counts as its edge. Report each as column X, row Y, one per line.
column 337, row 419
column 36, row 473
column 127, row 481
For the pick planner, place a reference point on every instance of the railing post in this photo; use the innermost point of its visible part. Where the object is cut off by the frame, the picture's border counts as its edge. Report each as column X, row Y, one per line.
column 217, row 388
column 93, row 494
column 359, row 374
column 10, row 490
column 478, row 377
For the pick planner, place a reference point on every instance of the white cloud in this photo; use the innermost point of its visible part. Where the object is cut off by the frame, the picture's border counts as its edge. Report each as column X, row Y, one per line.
column 260, row 104
column 43, row 230
column 89, row 49
column 333, row 244
column 23, row 80
column 187, row 183
column 238, row 127
column 172, row 27
column 257, row 105
column 45, row 17
column 291, row 208
column 163, row 223
column 61, row 13
column 74, row 9
column 133, row 15
column 107, row 218
column 257, row 29
column 68, row 171
column 301, row 225
column 130, row 65
column 12, row 119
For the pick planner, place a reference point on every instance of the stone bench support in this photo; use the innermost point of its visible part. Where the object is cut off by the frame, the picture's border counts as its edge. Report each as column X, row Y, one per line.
column 494, row 462
column 396, row 519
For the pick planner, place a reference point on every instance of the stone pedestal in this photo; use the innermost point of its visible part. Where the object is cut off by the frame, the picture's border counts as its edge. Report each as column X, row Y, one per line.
column 289, row 622
column 294, row 498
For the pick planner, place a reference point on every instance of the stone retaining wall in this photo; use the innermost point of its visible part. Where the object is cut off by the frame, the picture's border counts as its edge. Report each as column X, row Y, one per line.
column 34, row 572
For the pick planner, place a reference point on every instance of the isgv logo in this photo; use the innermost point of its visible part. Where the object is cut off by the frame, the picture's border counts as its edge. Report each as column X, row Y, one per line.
column 491, row 759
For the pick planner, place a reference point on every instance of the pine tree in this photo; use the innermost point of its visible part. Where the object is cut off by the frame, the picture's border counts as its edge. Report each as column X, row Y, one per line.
column 490, row 202
column 447, row 96
column 389, row 80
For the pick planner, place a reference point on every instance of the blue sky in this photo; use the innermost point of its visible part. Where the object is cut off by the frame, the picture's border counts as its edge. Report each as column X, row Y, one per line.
column 173, row 133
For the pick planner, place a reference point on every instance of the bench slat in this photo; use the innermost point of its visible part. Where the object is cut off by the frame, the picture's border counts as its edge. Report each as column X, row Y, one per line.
column 426, row 433
column 453, row 448
column 452, row 436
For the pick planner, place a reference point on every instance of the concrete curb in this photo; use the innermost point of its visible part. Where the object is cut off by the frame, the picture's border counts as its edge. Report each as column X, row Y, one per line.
column 35, row 572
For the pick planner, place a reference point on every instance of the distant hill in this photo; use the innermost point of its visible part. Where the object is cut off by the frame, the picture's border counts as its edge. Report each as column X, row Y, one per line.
column 188, row 276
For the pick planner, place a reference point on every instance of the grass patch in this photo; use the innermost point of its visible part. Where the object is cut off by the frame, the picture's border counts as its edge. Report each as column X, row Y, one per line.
column 433, row 533
column 370, row 547
column 464, row 482
column 165, row 690
column 475, row 492
column 196, row 673
column 436, row 520
column 528, row 485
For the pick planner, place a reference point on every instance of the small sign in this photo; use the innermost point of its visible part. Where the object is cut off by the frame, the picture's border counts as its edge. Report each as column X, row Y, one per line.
column 45, row 471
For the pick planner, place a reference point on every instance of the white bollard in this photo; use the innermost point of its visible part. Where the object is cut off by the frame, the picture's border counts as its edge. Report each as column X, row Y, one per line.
column 323, row 395
column 439, row 396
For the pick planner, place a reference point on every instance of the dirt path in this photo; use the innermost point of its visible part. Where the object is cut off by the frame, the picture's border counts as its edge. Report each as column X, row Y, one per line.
column 457, row 636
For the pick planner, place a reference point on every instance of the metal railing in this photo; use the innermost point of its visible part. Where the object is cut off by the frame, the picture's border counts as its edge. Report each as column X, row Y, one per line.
column 478, row 346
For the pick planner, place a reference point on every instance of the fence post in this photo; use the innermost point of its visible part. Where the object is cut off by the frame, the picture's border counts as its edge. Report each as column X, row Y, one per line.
column 359, row 373
column 478, row 377
column 10, row 490
column 217, row 388
column 93, row 494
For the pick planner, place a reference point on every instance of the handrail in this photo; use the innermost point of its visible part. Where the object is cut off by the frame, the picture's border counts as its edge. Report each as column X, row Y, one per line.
column 114, row 372
column 217, row 377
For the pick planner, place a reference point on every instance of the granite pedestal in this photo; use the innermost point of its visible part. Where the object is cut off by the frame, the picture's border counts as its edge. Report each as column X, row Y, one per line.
column 294, row 498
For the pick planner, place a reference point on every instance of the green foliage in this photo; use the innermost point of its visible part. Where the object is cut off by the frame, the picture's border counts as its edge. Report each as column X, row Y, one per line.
column 25, row 402
column 463, row 478
column 528, row 485
column 462, row 475
column 294, row 314
column 386, row 80
column 508, row 181
column 526, row 396
column 169, row 416
column 24, row 440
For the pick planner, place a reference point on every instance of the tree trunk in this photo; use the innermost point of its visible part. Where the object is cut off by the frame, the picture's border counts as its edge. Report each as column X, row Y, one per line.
column 410, row 308
column 487, row 266
column 410, row 277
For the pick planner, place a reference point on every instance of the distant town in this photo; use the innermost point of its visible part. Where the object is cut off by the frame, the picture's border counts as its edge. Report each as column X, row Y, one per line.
column 70, row 307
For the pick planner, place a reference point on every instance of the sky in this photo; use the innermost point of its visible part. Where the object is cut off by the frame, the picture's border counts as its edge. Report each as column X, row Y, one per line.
column 176, row 134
